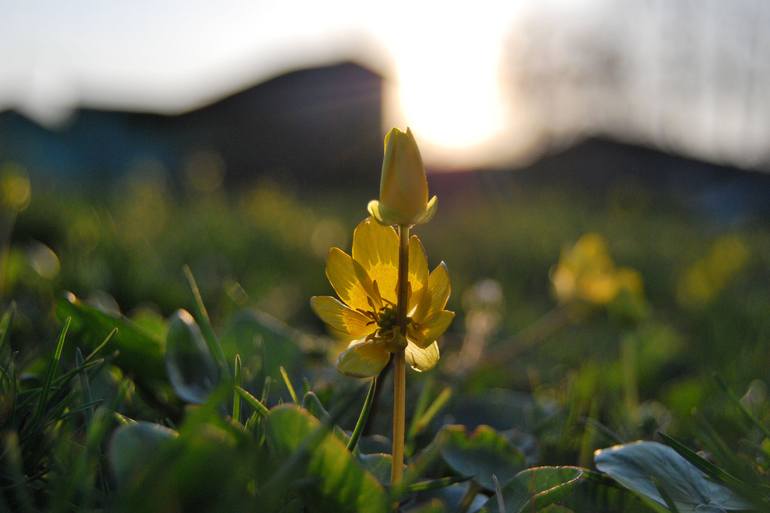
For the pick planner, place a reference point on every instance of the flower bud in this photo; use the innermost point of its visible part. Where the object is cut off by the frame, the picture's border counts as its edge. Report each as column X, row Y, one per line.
column 403, row 186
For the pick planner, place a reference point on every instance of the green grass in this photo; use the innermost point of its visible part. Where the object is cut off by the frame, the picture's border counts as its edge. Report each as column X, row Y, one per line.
column 110, row 430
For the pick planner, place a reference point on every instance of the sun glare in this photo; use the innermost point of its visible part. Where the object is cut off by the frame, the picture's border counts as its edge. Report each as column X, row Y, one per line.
column 447, row 73
column 454, row 101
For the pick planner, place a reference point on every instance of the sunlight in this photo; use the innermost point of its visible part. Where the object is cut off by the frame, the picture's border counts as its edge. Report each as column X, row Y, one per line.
column 448, row 79
column 455, row 100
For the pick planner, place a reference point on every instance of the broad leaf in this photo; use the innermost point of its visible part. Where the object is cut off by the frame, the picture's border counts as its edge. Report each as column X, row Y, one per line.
column 334, row 480
column 139, row 353
column 378, row 465
column 189, row 364
column 535, row 488
column 643, row 467
column 134, row 446
column 481, row 454
column 503, row 410
column 264, row 343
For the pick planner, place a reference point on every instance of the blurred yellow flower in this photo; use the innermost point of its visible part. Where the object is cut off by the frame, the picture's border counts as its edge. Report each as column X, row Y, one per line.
column 586, row 273
column 707, row 277
column 367, row 282
column 403, row 186
column 15, row 190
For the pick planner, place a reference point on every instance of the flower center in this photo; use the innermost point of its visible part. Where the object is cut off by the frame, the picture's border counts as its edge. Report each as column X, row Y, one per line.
column 387, row 318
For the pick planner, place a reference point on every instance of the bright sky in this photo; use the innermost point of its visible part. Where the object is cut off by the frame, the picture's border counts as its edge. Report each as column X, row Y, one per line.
column 442, row 58
column 480, row 83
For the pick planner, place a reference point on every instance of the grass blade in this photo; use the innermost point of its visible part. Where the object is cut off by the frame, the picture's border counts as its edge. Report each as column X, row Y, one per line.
column 101, row 345
column 253, row 401
column 14, row 463
column 85, row 386
column 202, row 316
column 670, row 504
column 363, row 416
column 714, row 472
column 237, row 383
column 499, row 495
column 266, row 390
column 289, row 386
column 422, row 422
column 122, row 419
column 52, row 367
column 5, row 326
column 737, row 402
column 432, row 484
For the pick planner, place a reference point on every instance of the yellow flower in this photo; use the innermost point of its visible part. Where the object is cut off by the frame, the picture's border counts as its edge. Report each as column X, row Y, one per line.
column 366, row 317
column 587, row 273
column 14, row 187
column 403, row 186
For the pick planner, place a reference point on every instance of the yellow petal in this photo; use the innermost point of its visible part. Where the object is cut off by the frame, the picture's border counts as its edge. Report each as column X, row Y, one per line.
column 381, row 213
column 375, row 247
column 563, row 280
column 436, row 296
column 344, row 323
column 349, row 280
column 418, row 271
column 362, row 359
column 430, row 211
column 630, row 280
column 598, row 288
column 421, row 359
column 432, row 328
column 403, row 186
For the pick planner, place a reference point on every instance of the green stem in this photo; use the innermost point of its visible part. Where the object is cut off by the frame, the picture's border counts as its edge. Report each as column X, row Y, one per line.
column 399, row 360
column 363, row 416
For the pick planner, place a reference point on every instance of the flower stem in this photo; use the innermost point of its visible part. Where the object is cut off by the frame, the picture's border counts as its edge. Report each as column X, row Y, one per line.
column 399, row 361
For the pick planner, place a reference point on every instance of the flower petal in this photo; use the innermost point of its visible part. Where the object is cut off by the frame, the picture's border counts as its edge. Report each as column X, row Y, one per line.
column 381, row 213
column 435, row 297
column 421, row 359
column 344, row 323
column 418, row 271
column 349, row 280
column 362, row 359
column 431, row 329
column 430, row 211
column 375, row 247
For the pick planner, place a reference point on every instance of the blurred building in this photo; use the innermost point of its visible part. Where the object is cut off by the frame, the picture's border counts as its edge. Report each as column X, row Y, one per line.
column 306, row 126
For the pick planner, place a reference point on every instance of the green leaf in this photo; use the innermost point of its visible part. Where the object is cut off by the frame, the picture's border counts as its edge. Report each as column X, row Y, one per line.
column 535, row 488
column 337, row 482
column 134, row 446
column 503, row 409
column 481, row 454
column 264, row 343
column 378, row 465
column 191, row 369
column 139, row 353
column 313, row 404
column 644, row 466
column 597, row 493
column 714, row 472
